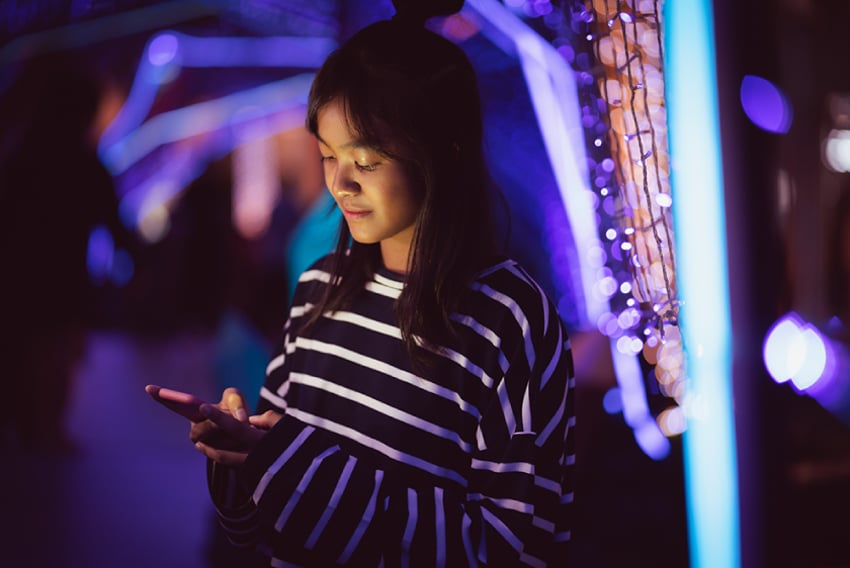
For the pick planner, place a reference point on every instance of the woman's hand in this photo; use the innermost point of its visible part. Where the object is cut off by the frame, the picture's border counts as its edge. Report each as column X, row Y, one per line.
column 228, row 434
column 266, row 420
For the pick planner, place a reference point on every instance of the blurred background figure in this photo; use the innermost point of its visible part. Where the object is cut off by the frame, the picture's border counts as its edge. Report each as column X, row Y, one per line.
column 57, row 200
column 262, row 268
column 315, row 232
column 240, row 282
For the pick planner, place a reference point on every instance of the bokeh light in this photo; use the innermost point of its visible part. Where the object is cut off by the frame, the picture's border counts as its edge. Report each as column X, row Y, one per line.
column 795, row 350
column 163, row 49
column 837, row 151
column 766, row 105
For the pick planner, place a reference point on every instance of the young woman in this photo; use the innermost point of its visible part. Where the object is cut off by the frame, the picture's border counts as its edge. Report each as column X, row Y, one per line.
column 420, row 408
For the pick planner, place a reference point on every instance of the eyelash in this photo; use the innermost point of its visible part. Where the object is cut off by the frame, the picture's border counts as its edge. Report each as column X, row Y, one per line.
column 360, row 167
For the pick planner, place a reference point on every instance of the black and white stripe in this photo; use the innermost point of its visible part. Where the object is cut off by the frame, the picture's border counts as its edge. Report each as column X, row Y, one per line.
column 377, row 464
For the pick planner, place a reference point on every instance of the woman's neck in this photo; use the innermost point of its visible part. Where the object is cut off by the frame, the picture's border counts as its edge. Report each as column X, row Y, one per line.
column 395, row 256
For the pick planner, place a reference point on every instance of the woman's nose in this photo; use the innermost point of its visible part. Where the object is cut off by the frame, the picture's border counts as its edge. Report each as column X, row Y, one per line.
column 343, row 183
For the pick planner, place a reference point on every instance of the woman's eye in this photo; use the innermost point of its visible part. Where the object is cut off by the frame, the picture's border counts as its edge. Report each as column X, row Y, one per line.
column 365, row 167
column 326, row 159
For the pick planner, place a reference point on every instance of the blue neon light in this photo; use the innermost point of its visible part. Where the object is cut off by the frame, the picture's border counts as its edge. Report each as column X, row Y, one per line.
column 697, row 185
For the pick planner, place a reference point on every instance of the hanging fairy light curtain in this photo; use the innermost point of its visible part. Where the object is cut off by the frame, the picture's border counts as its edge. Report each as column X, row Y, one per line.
column 615, row 50
column 627, row 44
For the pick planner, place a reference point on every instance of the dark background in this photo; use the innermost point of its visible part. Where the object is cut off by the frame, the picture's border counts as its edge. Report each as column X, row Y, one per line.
column 133, row 493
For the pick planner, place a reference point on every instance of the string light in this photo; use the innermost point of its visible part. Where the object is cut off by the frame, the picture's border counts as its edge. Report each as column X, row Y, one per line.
column 570, row 27
column 626, row 41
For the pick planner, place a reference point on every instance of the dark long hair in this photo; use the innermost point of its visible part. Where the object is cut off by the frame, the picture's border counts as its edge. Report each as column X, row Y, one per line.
column 413, row 94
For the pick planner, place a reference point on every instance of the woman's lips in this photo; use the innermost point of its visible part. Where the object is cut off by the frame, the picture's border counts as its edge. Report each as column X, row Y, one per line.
column 354, row 214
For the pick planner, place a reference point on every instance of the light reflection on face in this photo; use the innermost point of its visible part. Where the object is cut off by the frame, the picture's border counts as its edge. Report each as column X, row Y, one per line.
column 374, row 191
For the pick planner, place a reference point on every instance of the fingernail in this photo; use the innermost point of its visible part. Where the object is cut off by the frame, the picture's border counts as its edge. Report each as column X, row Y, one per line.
column 241, row 415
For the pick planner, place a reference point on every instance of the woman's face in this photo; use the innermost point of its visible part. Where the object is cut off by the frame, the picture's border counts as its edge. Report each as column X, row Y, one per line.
column 374, row 192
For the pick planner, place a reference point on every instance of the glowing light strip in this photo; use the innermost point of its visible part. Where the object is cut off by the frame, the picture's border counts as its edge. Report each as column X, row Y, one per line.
column 276, row 105
column 636, row 412
column 200, row 118
column 554, row 95
column 104, row 28
column 307, row 52
column 136, row 107
column 190, row 51
column 182, row 168
column 696, row 180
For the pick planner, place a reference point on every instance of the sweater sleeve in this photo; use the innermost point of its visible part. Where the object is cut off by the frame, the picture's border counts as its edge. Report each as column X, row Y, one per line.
column 310, row 496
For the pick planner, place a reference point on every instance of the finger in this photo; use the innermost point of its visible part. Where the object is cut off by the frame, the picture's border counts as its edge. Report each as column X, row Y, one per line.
column 266, row 420
column 236, row 404
column 226, row 423
column 203, row 431
column 223, row 457
column 229, row 433
column 219, row 417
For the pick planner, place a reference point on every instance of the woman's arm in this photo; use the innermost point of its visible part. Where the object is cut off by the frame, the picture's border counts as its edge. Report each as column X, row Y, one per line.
column 308, row 496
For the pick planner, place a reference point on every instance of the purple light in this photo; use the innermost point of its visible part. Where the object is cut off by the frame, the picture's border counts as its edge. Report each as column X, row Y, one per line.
column 794, row 350
column 616, row 253
column 766, row 105
column 635, row 406
column 607, row 325
column 832, row 391
column 823, row 363
column 163, row 49
column 542, row 8
column 652, row 441
column 612, row 401
column 776, row 348
column 123, row 268
column 100, row 255
column 568, row 53
column 814, row 363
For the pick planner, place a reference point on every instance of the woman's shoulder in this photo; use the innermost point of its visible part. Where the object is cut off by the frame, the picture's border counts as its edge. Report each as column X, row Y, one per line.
column 507, row 276
column 313, row 280
column 506, row 285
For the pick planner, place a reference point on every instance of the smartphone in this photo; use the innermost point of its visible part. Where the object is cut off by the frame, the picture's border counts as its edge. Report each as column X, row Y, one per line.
column 183, row 403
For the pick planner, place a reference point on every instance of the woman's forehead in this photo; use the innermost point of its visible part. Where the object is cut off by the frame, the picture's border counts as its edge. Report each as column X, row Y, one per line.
column 334, row 125
column 336, row 119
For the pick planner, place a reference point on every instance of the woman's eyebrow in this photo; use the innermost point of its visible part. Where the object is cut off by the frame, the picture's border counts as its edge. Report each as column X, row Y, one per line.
column 356, row 144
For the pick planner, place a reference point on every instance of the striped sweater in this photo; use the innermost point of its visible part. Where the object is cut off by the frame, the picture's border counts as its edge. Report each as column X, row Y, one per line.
column 373, row 464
